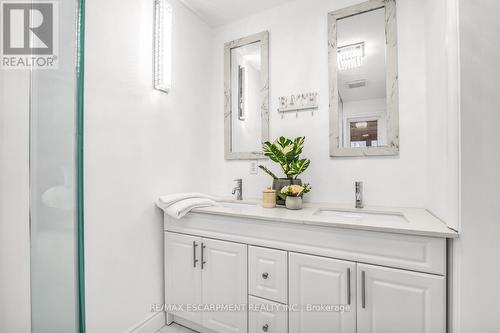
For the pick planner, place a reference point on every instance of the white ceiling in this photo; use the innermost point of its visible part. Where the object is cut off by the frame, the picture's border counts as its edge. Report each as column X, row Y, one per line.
column 220, row 12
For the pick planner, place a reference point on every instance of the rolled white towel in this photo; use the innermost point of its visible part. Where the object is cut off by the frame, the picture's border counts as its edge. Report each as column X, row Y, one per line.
column 181, row 208
column 167, row 200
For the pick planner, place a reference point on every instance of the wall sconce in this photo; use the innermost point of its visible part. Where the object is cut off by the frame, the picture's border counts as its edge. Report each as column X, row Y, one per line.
column 241, row 93
column 163, row 46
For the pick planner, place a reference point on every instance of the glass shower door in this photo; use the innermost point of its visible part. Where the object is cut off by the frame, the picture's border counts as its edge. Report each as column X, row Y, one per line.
column 56, row 179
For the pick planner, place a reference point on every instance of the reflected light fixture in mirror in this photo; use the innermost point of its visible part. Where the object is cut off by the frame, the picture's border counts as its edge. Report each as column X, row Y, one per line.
column 241, row 93
column 163, row 46
column 351, row 56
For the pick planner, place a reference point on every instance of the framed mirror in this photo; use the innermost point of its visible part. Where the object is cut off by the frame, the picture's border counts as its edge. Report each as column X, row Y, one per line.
column 246, row 96
column 363, row 74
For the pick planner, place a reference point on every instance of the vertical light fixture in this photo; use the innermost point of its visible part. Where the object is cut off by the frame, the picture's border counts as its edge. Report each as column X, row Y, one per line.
column 241, row 93
column 163, row 46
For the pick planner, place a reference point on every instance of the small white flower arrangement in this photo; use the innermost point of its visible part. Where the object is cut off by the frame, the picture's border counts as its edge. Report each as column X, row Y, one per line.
column 294, row 191
column 292, row 194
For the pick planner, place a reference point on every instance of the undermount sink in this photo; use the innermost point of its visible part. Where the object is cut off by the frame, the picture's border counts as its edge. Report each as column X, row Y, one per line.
column 237, row 204
column 360, row 216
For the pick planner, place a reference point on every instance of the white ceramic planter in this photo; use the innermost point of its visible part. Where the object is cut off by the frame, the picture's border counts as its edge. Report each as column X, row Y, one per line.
column 293, row 203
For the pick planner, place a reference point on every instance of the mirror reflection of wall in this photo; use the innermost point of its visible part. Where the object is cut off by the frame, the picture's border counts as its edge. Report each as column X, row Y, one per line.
column 362, row 79
column 245, row 90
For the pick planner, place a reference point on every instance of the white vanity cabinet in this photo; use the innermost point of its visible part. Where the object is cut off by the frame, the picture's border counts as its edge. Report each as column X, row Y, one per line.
column 318, row 287
column 266, row 316
column 207, row 272
column 303, row 278
column 224, row 282
column 268, row 273
column 183, row 274
column 395, row 301
column 388, row 300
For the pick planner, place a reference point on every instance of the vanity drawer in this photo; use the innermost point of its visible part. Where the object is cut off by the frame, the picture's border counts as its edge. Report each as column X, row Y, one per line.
column 267, row 269
column 266, row 316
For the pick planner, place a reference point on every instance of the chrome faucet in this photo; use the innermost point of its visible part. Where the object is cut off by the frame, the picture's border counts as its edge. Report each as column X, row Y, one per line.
column 238, row 190
column 359, row 194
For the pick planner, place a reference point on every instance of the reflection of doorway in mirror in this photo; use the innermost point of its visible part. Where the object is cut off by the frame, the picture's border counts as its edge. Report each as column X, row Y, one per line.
column 363, row 133
column 364, row 111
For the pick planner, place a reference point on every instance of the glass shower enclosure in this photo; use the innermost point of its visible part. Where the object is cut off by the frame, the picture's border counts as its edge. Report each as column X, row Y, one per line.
column 45, row 41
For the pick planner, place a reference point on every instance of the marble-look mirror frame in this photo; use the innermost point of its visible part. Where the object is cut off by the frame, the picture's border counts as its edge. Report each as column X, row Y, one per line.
column 392, row 89
column 263, row 39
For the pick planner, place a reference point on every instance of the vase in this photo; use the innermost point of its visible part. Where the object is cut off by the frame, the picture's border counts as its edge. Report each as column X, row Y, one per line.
column 293, row 203
column 279, row 183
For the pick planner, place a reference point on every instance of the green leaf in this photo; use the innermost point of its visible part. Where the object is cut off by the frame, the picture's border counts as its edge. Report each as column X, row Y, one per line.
column 269, row 172
column 282, row 195
column 279, row 157
column 298, row 145
column 272, row 152
column 298, row 167
column 283, row 142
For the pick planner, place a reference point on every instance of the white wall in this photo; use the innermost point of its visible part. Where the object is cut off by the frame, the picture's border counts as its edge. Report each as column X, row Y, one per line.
column 14, row 202
column 139, row 144
column 479, row 246
column 443, row 110
column 299, row 63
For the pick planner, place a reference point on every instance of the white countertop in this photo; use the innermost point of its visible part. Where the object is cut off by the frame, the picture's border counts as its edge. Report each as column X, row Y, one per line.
column 411, row 221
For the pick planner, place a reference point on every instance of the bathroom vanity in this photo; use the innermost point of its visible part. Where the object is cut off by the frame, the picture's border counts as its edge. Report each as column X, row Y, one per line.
column 326, row 268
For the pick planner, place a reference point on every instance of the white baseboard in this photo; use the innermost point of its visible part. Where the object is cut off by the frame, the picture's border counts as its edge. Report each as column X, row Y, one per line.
column 193, row 326
column 151, row 324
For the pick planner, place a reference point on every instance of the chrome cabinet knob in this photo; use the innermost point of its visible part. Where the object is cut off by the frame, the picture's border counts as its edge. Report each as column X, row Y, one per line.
column 265, row 328
column 265, row 275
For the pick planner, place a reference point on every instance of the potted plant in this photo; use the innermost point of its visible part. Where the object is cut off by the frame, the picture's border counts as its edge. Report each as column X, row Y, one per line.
column 292, row 194
column 286, row 153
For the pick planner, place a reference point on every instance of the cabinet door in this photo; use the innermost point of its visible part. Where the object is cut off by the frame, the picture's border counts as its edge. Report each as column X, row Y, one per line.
column 224, row 284
column 319, row 286
column 182, row 278
column 395, row 301
column 266, row 316
column 268, row 273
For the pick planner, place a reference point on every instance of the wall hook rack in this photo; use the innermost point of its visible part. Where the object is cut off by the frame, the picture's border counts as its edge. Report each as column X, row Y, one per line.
column 298, row 102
